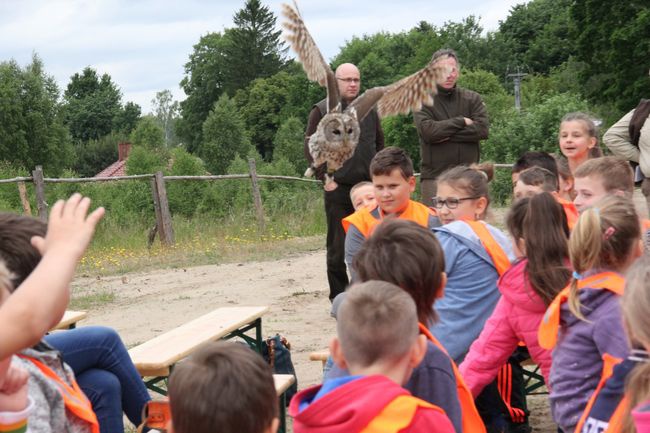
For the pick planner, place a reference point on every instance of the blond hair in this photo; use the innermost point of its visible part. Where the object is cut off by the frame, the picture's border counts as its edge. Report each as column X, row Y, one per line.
column 614, row 173
column 636, row 312
column 376, row 321
column 5, row 282
column 604, row 237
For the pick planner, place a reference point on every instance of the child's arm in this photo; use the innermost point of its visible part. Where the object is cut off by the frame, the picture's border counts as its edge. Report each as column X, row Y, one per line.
column 43, row 297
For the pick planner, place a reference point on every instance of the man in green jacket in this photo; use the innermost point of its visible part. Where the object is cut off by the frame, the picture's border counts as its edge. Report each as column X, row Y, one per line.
column 450, row 131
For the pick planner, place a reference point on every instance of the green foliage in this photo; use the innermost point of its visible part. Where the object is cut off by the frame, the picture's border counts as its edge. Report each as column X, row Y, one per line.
column 145, row 161
column 289, row 144
column 534, row 129
column 166, row 111
column 611, row 40
column 96, row 155
column 400, row 131
column 185, row 196
column 203, row 84
column 225, row 136
column 31, row 127
column 91, row 105
column 148, row 134
column 489, row 87
column 127, row 118
column 255, row 49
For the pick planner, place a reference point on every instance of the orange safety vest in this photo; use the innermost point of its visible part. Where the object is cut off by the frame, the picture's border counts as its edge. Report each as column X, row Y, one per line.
column 616, row 421
column 472, row 421
column 499, row 257
column 645, row 225
column 550, row 325
column 73, row 397
column 570, row 210
column 365, row 222
column 397, row 415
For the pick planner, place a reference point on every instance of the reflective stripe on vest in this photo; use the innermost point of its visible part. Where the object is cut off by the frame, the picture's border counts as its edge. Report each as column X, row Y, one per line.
column 73, row 397
column 550, row 326
column 570, row 211
column 365, row 222
column 616, row 420
column 397, row 415
column 472, row 421
column 499, row 257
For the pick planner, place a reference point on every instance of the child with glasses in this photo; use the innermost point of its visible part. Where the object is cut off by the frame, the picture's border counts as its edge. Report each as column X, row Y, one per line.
column 476, row 254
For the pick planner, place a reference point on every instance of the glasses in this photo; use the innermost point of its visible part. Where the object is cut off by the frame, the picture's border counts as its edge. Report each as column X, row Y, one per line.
column 349, row 80
column 450, row 202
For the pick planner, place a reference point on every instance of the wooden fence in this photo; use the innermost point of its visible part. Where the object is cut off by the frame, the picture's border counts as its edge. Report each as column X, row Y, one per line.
column 163, row 225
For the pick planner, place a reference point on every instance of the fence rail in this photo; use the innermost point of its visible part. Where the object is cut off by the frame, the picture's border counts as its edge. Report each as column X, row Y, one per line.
column 163, row 225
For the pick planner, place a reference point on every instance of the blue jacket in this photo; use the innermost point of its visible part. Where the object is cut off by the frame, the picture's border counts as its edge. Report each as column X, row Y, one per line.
column 471, row 292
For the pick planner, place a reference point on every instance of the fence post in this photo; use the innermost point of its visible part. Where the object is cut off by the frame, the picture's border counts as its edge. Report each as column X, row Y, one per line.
column 39, row 186
column 161, row 206
column 257, row 197
column 22, row 190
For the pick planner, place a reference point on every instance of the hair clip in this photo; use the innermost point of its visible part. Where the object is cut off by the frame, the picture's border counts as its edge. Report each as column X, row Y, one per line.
column 609, row 233
column 577, row 276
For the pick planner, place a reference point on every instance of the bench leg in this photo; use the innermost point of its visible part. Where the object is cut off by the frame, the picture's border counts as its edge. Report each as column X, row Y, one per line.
column 256, row 342
column 152, row 384
column 282, row 401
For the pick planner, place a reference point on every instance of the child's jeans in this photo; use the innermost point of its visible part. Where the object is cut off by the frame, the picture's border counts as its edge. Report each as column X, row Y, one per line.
column 105, row 373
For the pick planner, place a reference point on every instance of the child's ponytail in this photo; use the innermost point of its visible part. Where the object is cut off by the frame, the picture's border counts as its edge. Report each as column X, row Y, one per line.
column 604, row 238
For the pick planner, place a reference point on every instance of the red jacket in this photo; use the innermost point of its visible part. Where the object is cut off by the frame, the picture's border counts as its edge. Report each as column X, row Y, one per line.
column 353, row 406
column 515, row 318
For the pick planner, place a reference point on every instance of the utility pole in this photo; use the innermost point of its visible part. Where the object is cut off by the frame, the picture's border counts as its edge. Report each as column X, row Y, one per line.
column 517, row 79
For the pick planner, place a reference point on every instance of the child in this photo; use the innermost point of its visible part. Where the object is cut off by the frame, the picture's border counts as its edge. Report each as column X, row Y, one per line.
column 601, row 177
column 539, row 231
column 530, row 159
column 363, row 195
column 408, row 255
column 636, row 310
column 392, row 177
column 535, row 180
column 578, row 139
column 603, row 244
column 26, row 316
column 378, row 341
column 567, row 183
column 610, row 406
column 100, row 362
column 224, row 387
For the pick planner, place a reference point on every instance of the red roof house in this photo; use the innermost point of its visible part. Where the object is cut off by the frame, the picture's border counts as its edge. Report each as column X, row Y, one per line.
column 118, row 168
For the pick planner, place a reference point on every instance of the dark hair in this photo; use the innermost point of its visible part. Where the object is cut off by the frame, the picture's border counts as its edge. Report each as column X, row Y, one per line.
column 224, row 386
column 540, row 220
column 471, row 180
column 16, row 250
column 445, row 52
column 390, row 158
column 538, row 176
column 535, row 158
column 407, row 255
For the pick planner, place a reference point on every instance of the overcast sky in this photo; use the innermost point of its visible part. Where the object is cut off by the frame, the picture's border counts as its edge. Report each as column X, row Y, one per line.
column 143, row 44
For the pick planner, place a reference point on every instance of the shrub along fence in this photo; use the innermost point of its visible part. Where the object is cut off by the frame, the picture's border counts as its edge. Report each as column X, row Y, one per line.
column 163, row 226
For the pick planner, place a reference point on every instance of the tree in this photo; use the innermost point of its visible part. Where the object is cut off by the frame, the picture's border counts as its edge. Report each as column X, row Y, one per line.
column 289, row 143
column 225, row 136
column 31, row 126
column 148, row 134
column 612, row 41
column 255, row 49
column 166, row 112
column 203, row 84
column 127, row 118
column 91, row 105
column 96, row 155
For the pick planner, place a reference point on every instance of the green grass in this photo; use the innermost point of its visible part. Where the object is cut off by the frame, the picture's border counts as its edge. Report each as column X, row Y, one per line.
column 92, row 300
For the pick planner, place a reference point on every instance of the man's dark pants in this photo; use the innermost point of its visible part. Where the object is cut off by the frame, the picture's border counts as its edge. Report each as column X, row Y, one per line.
column 337, row 207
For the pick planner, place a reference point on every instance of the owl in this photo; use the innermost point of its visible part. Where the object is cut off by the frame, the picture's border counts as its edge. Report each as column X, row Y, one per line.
column 337, row 134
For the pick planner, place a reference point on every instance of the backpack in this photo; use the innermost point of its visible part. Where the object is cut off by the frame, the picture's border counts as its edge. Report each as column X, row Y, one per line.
column 276, row 351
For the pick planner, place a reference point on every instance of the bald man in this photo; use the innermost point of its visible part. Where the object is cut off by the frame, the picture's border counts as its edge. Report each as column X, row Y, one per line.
column 355, row 170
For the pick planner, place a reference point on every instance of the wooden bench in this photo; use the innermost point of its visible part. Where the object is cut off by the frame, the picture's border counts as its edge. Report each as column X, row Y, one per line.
column 282, row 384
column 156, row 357
column 70, row 319
column 320, row 355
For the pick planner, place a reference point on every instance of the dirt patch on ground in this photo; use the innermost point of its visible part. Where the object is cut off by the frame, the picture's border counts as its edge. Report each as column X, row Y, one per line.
column 143, row 305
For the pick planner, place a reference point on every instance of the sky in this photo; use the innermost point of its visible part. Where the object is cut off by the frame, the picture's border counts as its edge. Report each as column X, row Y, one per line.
column 144, row 44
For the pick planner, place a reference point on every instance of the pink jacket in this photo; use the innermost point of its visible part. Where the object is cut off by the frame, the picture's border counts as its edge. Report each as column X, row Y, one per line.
column 515, row 318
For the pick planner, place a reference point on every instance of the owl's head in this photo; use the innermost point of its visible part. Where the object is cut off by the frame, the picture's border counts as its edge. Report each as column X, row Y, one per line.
column 340, row 128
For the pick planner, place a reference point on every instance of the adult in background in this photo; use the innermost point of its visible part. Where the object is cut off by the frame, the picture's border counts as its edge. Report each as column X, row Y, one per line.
column 337, row 193
column 629, row 138
column 450, row 131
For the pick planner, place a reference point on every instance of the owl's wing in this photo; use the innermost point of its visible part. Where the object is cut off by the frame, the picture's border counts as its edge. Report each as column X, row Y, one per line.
column 309, row 55
column 402, row 96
